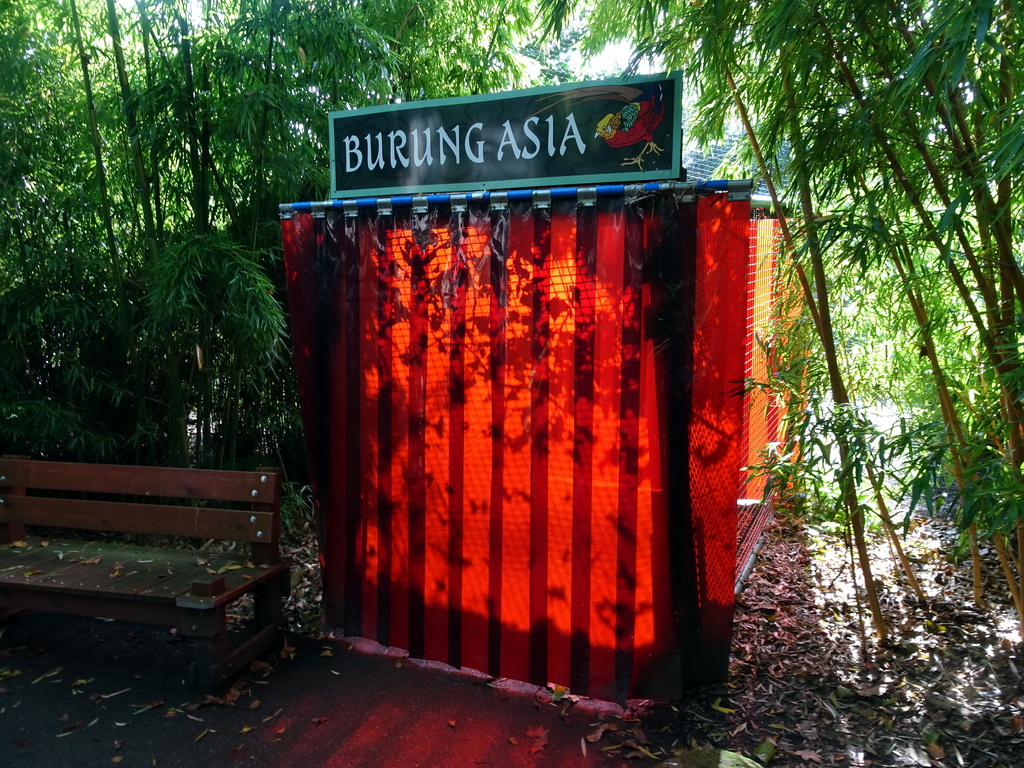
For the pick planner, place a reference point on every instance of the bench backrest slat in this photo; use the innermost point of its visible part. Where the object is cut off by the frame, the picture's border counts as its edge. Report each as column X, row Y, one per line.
column 215, row 485
column 149, row 519
column 35, row 493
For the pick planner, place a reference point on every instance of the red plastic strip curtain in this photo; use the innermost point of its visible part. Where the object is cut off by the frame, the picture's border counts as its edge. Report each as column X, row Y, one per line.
column 490, row 397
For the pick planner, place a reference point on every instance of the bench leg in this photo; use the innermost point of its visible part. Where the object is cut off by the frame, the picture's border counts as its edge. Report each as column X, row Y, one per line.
column 267, row 601
column 217, row 656
column 208, row 633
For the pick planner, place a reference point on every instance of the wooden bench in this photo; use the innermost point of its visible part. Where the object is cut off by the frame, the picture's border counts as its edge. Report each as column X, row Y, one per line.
column 107, row 576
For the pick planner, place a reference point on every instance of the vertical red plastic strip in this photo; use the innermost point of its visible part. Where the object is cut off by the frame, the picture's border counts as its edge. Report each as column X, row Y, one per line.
column 655, row 638
column 583, row 302
column 345, row 383
column 629, row 449
column 441, row 280
column 400, row 248
column 419, row 324
column 515, row 308
column 491, row 298
column 313, row 308
column 454, row 501
column 476, row 473
column 298, row 238
column 471, row 400
column 716, row 422
column 366, row 399
column 560, row 356
column 383, row 272
column 539, row 412
column 607, row 400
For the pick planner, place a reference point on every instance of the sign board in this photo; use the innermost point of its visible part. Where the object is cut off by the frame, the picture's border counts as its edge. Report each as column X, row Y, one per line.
column 624, row 130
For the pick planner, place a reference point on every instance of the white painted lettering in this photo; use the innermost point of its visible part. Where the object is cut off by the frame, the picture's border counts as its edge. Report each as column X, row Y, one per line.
column 531, row 137
column 550, row 120
column 572, row 131
column 478, row 156
column 353, row 157
column 443, row 138
column 508, row 139
column 373, row 163
column 397, row 147
column 427, row 155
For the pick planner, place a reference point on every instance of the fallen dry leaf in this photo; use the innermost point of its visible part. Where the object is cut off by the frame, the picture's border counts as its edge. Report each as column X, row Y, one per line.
column 717, row 706
column 540, row 736
column 152, row 705
column 935, row 751
column 809, row 754
column 51, row 673
column 70, row 726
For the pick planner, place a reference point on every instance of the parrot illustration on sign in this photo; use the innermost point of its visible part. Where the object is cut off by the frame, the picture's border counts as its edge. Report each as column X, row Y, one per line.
column 635, row 123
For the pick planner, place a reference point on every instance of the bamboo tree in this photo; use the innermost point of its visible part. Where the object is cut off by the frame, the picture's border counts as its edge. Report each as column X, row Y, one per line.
column 906, row 131
column 117, row 272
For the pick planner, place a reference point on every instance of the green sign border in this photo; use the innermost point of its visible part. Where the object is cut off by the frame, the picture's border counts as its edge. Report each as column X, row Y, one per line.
column 673, row 171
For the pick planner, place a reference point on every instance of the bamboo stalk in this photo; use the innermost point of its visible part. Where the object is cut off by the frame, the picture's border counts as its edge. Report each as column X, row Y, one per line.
column 101, row 170
column 1011, row 581
column 890, row 529
column 822, row 321
column 131, row 123
column 1020, row 560
column 950, row 418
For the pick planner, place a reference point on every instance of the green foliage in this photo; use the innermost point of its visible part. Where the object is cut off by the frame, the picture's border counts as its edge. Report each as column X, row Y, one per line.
column 141, row 289
column 902, row 136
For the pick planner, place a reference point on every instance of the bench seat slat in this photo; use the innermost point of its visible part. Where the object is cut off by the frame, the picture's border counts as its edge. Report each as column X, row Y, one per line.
column 53, row 566
column 17, row 561
column 108, row 576
column 63, row 573
column 153, row 519
column 220, row 485
column 128, row 586
column 172, row 583
column 35, row 562
column 136, row 575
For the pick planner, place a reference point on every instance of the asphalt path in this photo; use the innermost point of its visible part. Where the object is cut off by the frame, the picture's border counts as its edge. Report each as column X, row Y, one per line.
column 81, row 692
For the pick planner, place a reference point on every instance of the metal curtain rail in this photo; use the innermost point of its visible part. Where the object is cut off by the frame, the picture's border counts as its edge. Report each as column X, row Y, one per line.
column 737, row 190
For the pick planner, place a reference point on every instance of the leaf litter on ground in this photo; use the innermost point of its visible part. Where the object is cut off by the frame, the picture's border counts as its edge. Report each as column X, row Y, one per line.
column 945, row 691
